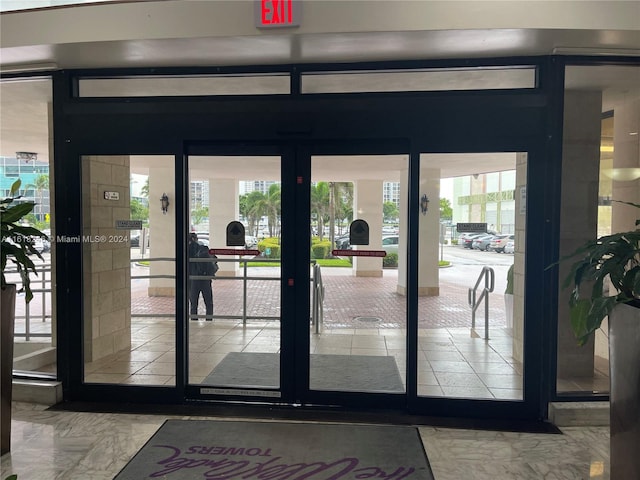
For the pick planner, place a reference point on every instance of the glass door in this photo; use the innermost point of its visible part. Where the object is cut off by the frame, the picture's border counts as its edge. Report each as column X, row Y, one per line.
column 357, row 250
column 471, row 262
column 234, row 269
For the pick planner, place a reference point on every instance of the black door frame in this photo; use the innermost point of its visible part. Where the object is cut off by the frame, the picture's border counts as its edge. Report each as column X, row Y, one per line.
column 434, row 122
column 295, row 174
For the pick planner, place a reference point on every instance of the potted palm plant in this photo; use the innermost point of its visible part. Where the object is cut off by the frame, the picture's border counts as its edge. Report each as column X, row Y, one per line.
column 605, row 280
column 15, row 247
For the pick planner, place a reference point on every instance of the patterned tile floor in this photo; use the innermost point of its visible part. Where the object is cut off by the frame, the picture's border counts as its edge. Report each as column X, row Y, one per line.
column 63, row 445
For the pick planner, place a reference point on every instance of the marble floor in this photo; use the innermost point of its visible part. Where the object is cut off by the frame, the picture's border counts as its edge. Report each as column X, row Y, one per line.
column 60, row 445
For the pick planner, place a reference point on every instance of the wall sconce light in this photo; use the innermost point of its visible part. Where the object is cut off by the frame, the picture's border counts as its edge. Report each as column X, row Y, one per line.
column 27, row 156
column 164, row 202
column 424, row 204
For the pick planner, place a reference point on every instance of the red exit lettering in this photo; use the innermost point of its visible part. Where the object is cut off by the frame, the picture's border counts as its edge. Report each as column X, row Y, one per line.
column 277, row 12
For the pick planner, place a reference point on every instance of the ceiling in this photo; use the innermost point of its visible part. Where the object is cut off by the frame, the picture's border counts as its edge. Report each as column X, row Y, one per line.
column 332, row 168
column 24, row 106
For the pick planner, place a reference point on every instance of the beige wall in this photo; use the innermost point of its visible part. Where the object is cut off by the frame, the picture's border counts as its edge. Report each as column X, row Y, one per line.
column 196, row 19
column 579, row 213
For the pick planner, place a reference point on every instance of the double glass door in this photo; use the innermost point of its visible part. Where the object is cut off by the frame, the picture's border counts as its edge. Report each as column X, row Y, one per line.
column 299, row 312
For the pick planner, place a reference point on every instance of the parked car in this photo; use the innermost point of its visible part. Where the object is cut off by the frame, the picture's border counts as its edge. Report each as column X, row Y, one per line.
column 135, row 239
column 390, row 244
column 500, row 241
column 343, row 242
column 250, row 241
column 467, row 241
column 509, row 247
column 482, row 242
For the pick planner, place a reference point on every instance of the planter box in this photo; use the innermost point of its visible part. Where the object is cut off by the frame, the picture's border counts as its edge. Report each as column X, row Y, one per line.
column 624, row 364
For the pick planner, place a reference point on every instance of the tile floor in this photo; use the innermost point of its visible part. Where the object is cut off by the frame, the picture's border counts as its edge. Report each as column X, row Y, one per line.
column 63, row 445
column 453, row 360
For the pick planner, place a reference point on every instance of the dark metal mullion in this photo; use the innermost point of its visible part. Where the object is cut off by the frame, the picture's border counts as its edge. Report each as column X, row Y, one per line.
column 181, row 203
column 68, row 270
column 412, row 254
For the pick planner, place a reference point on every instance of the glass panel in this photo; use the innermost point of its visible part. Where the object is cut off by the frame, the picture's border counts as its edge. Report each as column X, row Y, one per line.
column 358, row 337
column 419, row 80
column 456, row 358
column 129, row 279
column 145, row 86
column 25, row 156
column 235, row 342
column 601, row 138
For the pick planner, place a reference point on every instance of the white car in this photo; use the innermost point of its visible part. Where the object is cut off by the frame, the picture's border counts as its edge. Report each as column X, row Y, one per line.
column 390, row 244
column 509, row 247
column 250, row 241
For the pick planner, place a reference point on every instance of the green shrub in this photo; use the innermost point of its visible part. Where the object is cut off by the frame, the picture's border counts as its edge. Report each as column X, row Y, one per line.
column 454, row 241
column 391, row 260
column 270, row 247
column 320, row 249
column 509, row 288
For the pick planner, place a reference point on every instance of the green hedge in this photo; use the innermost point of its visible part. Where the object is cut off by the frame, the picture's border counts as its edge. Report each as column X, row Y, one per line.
column 320, row 249
column 391, row 260
column 270, row 247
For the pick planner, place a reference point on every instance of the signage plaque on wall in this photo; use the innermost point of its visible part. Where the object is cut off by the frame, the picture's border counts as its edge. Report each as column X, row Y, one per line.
column 471, row 227
column 277, row 13
column 129, row 224
column 111, row 196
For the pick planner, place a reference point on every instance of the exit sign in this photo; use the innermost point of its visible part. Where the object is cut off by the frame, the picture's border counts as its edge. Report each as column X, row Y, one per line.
column 278, row 13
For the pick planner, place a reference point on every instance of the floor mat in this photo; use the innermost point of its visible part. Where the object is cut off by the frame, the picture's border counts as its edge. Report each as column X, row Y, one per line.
column 227, row 450
column 365, row 373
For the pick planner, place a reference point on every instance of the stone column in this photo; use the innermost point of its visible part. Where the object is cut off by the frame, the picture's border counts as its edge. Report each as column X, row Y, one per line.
column 224, row 207
column 107, row 271
column 162, row 242
column 429, row 234
column 519, row 256
column 367, row 206
column 579, row 213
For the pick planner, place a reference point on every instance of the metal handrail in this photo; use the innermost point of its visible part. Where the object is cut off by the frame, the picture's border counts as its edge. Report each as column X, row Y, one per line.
column 488, row 275
column 41, row 269
column 318, row 288
column 317, row 311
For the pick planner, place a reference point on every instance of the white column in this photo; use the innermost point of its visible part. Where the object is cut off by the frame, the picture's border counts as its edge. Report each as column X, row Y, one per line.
column 162, row 242
column 224, row 206
column 367, row 206
column 626, row 155
column 429, row 234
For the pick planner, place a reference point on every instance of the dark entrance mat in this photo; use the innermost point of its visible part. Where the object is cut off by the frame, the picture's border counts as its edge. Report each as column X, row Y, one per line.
column 360, row 373
column 229, row 450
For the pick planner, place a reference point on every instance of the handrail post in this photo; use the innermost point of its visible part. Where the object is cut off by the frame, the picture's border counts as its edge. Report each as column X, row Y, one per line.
column 244, row 296
column 314, row 299
column 488, row 276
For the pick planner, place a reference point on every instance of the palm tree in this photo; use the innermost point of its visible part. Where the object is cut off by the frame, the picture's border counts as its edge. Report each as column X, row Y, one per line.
column 343, row 202
column 320, row 199
column 40, row 185
column 270, row 206
column 253, row 210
